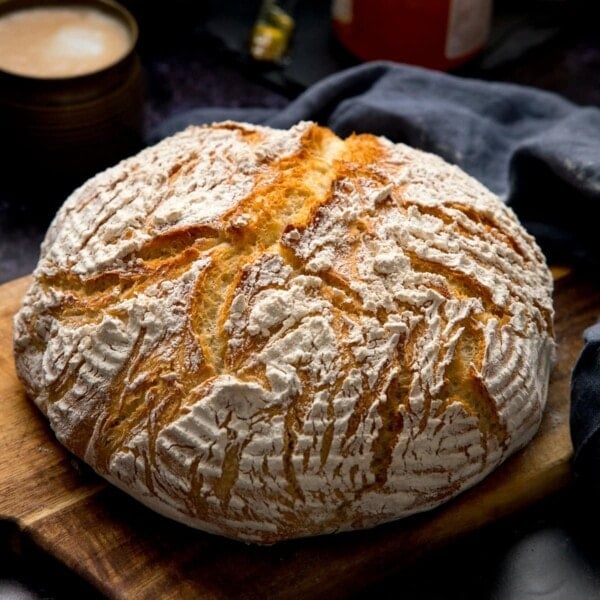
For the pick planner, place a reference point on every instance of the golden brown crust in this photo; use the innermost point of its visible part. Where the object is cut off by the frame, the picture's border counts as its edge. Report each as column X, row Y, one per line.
column 271, row 334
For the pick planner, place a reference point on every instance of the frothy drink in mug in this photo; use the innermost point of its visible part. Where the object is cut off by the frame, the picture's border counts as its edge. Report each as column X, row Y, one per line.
column 60, row 41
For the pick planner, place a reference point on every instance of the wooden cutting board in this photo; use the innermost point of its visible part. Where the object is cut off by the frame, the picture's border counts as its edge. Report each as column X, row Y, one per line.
column 128, row 552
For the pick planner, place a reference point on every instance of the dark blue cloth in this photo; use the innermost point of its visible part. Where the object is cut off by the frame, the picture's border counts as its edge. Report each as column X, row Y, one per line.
column 537, row 151
column 585, row 409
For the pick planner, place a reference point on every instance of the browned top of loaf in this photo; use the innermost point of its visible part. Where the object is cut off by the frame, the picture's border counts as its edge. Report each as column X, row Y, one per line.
column 272, row 333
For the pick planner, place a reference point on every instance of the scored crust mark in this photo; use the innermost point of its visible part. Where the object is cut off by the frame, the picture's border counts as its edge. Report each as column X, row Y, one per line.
column 270, row 334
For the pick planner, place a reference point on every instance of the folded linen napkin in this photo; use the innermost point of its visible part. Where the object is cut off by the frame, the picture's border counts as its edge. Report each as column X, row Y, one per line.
column 537, row 151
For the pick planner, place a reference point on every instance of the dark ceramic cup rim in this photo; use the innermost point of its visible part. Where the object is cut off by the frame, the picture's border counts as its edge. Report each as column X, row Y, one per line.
column 109, row 7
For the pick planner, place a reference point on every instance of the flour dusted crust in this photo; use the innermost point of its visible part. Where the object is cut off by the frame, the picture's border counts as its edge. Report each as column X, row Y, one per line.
column 270, row 334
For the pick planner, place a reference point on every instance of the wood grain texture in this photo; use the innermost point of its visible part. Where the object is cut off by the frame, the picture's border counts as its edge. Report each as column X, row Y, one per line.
column 128, row 552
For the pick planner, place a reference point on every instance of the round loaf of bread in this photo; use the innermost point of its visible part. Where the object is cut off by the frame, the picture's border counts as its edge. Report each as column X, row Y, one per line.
column 270, row 334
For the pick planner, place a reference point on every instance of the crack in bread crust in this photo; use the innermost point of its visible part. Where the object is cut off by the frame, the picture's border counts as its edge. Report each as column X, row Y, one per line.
column 271, row 334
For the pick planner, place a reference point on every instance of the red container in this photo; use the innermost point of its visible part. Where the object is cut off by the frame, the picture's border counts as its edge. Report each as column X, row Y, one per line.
column 438, row 34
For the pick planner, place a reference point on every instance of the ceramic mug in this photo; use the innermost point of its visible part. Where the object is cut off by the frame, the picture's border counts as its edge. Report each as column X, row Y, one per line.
column 59, row 130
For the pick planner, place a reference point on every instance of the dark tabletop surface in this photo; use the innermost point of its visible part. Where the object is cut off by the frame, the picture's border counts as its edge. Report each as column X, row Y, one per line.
column 194, row 55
